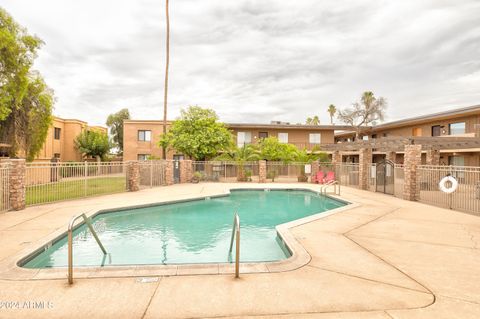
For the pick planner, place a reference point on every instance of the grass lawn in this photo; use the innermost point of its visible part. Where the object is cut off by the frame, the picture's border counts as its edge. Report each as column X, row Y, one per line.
column 70, row 189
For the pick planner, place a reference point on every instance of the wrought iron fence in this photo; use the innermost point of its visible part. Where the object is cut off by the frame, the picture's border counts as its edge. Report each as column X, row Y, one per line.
column 225, row 171
column 152, row 173
column 348, row 174
column 399, row 177
column 4, row 187
column 50, row 181
column 288, row 172
column 465, row 198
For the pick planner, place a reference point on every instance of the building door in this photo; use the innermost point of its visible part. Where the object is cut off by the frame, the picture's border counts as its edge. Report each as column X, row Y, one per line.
column 417, row 131
column 436, row 130
column 385, row 177
column 176, row 168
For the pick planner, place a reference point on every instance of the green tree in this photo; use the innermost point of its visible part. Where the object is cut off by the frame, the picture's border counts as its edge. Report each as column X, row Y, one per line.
column 313, row 120
column 272, row 150
column 25, row 100
column 197, row 134
column 369, row 110
column 332, row 109
column 115, row 123
column 93, row 143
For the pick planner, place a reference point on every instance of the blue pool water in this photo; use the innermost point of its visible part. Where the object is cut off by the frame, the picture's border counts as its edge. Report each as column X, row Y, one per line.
column 189, row 232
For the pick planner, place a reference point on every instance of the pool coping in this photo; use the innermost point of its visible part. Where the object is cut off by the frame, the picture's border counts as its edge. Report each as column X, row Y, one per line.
column 10, row 269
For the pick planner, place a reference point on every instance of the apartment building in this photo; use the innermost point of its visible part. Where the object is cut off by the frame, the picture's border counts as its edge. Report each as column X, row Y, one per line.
column 462, row 122
column 141, row 137
column 60, row 141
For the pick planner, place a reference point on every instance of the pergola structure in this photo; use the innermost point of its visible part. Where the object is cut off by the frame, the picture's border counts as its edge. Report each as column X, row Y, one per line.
column 397, row 144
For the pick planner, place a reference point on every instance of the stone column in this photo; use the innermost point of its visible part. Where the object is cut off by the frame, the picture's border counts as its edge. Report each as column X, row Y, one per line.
column 413, row 158
column 17, row 183
column 336, row 157
column 315, row 168
column 186, row 171
column 169, row 173
column 391, row 156
column 133, row 176
column 262, row 171
column 433, row 157
column 365, row 160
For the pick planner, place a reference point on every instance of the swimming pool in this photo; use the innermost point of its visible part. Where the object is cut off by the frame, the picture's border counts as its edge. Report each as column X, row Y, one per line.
column 196, row 231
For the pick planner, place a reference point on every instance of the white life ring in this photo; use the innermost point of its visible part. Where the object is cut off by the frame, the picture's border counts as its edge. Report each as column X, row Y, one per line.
column 443, row 182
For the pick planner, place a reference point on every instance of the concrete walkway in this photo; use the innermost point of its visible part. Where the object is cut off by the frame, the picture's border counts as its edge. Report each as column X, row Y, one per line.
column 384, row 258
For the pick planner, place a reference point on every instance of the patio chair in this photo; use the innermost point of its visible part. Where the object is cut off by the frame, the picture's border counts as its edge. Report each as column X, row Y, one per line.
column 329, row 178
column 318, row 178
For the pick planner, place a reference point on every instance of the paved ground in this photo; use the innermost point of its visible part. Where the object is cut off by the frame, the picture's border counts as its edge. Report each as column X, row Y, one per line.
column 385, row 258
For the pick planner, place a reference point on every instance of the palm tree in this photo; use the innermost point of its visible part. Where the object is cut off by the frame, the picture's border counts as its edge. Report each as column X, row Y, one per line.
column 332, row 109
column 164, row 149
column 241, row 155
column 313, row 120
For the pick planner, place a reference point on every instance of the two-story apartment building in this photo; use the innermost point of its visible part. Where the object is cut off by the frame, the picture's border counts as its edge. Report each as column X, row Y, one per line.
column 141, row 136
column 60, row 141
column 462, row 122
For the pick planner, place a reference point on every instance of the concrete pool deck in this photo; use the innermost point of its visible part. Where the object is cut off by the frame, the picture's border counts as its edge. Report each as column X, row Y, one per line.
column 381, row 258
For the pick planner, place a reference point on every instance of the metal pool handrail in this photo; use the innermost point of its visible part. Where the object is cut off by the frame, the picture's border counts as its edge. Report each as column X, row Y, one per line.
column 236, row 235
column 70, row 242
column 323, row 188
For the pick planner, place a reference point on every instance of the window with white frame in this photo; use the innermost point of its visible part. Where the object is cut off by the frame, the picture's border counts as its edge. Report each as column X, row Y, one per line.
column 314, row 138
column 457, row 128
column 144, row 136
column 283, row 137
column 244, row 138
column 142, row 157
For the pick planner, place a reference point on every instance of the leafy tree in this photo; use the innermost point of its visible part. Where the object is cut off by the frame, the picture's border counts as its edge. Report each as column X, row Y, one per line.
column 272, row 150
column 197, row 134
column 93, row 143
column 332, row 109
column 25, row 100
column 313, row 120
column 115, row 123
column 369, row 110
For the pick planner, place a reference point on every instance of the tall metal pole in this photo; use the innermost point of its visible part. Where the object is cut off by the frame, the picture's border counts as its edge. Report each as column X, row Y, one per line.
column 164, row 149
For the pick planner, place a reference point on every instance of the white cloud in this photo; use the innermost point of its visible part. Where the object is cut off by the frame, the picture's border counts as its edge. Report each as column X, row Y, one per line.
column 255, row 60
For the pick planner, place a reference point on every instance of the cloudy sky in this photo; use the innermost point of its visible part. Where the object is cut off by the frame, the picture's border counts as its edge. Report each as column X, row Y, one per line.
column 255, row 61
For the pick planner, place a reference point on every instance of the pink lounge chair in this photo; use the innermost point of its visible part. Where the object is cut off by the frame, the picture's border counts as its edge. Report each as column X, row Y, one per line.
column 318, row 178
column 329, row 178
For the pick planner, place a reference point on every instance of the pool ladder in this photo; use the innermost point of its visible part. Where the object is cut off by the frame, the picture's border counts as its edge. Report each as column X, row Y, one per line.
column 70, row 242
column 236, row 236
column 324, row 187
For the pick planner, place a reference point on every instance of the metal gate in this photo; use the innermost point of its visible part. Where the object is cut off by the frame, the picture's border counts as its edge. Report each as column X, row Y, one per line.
column 385, row 177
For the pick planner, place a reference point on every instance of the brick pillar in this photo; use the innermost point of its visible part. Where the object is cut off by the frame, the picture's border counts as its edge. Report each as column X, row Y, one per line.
column 315, row 168
column 169, row 173
column 391, row 156
column 186, row 171
column 17, row 183
column 413, row 158
column 433, row 157
column 262, row 171
column 365, row 160
column 133, row 176
column 336, row 157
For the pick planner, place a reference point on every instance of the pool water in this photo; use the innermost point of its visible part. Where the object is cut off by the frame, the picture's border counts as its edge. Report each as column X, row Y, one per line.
column 195, row 231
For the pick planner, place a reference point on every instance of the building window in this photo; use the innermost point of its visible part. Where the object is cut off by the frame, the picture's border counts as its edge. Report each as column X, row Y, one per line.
column 57, row 133
column 262, row 135
column 436, row 130
column 457, row 128
column 365, row 137
column 56, row 155
column 374, row 136
column 417, row 131
column 142, row 157
column 283, row 137
column 145, row 136
column 244, row 138
column 314, row 138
